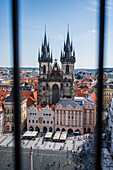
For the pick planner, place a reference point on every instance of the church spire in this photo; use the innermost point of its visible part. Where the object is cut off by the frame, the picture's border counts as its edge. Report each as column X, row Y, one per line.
column 45, row 50
column 68, row 39
column 68, row 48
column 45, row 39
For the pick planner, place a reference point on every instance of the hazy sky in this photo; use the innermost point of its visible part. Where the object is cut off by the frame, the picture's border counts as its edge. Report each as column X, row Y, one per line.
column 82, row 17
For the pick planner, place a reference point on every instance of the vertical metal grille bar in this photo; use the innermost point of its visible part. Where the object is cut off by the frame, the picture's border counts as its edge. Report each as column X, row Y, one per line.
column 16, row 84
column 100, row 84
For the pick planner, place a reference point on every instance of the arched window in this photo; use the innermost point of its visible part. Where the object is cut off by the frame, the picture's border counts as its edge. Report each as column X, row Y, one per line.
column 67, row 69
column 44, row 69
column 46, row 85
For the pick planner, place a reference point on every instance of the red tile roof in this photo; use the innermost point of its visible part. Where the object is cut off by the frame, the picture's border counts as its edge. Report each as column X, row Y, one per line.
column 39, row 107
column 94, row 97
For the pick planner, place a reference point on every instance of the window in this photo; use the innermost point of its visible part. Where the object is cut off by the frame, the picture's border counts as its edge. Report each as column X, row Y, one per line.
column 36, row 121
column 44, row 69
column 61, row 111
column 47, row 121
column 60, row 116
column 84, row 121
column 79, row 117
column 72, row 117
column 68, row 123
column 88, row 106
column 80, row 112
column 76, row 112
column 57, row 122
column 60, row 123
column 67, row 84
column 29, row 121
column 90, row 122
column 32, row 121
column 68, row 112
column 57, row 111
column 46, row 85
column 72, row 112
column 64, row 116
column 76, row 117
column 43, row 121
column 64, row 111
column 71, row 123
column 61, row 85
column 90, row 116
column 57, row 116
column 85, row 116
column 79, row 123
column 67, row 69
column 51, row 122
column 68, row 117
column 75, row 123
column 43, row 88
column 64, row 122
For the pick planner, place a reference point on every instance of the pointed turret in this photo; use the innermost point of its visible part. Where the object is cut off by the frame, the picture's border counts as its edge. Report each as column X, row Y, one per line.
column 38, row 55
column 61, row 55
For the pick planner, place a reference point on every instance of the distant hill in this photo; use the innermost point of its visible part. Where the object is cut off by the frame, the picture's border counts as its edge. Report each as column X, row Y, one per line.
column 93, row 70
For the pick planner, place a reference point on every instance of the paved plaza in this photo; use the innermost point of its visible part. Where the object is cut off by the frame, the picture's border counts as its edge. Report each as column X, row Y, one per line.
column 71, row 144
column 51, row 155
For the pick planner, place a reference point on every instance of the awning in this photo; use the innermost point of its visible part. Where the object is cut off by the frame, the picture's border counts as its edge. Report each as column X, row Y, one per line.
column 48, row 135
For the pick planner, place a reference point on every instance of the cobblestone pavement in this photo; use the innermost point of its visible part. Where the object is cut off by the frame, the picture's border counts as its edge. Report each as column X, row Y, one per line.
column 41, row 158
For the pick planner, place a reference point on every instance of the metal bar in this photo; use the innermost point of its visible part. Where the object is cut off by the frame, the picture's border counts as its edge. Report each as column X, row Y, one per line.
column 17, row 112
column 100, row 85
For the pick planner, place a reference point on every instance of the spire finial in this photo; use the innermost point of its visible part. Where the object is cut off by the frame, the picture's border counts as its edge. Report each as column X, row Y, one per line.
column 45, row 28
column 67, row 27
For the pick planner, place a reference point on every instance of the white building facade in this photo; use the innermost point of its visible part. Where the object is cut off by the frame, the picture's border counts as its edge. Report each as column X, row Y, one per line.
column 41, row 120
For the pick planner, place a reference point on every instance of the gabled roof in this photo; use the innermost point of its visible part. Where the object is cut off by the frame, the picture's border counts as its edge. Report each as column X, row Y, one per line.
column 65, row 102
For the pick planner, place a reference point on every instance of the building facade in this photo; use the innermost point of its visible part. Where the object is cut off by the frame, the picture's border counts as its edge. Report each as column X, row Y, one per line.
column 55, row 83
column 2, row 117
column 75, row 115
column 9, row 112
column 40, row 119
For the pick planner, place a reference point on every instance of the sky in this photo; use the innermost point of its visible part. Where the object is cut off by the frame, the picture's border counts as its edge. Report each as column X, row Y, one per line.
column 82, row 17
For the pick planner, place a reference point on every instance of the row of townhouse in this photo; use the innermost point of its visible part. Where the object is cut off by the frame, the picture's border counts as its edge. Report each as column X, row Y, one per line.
column 70, row 115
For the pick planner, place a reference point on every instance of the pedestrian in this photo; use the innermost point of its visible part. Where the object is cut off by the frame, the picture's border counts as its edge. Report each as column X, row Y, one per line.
column 59, row 165
column 65, row 163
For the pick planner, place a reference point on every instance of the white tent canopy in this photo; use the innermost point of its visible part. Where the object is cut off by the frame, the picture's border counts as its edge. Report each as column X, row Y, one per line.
column 57, row 135
column 63, row 135
column 48, row 135
column 30, row 133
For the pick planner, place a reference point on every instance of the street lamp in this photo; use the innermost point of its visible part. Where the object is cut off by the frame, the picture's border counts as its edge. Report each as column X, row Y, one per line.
column 31, row 154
